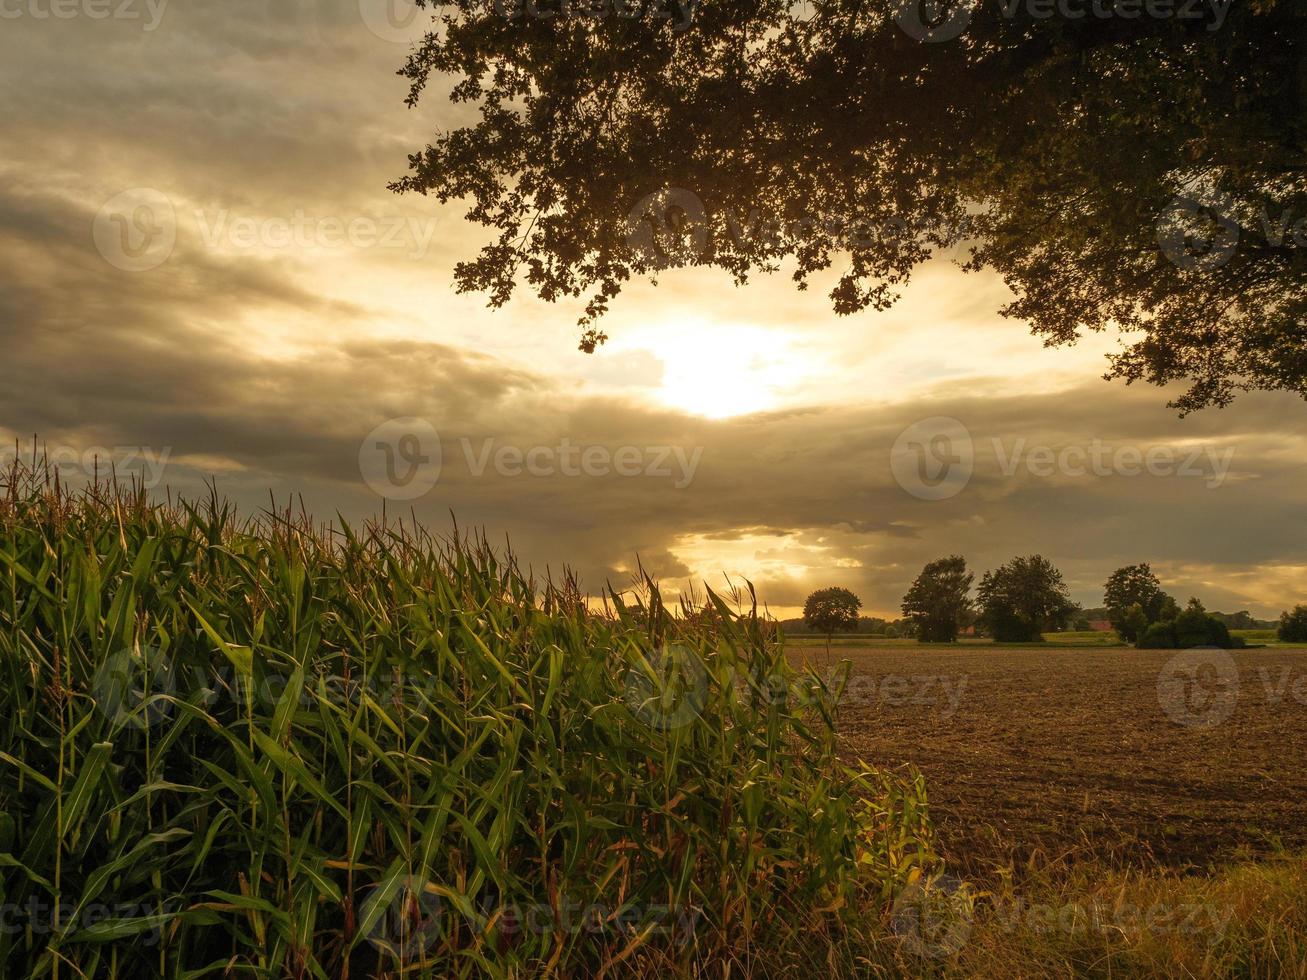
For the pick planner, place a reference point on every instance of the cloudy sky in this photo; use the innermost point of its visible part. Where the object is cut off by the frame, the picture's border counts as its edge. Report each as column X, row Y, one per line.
column 202, row 272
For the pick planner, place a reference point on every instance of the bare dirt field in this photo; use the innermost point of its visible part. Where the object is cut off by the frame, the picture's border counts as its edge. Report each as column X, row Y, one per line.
column 1115, row 755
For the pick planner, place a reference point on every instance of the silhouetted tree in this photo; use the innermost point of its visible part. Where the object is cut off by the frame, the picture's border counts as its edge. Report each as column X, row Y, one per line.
column 1134, row 624
column 832, row 610
column 1293, row 625
column 1134, row 585
column 1193, row 627
column 1135, row 172
column 1020, row 600
column 938, row 600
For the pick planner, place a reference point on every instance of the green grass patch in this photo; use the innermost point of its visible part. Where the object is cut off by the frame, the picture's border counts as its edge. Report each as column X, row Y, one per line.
column 1070, row 639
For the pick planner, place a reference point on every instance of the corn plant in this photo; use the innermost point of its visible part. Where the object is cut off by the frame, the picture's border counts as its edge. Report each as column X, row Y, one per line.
column 264, row 747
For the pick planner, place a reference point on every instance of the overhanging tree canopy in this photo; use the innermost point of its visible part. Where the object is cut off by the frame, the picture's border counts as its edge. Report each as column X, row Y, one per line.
column 1145, row 173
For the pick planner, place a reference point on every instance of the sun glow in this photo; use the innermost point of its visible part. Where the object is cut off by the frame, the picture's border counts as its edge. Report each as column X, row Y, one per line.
column 721, row 370
column 769, row 560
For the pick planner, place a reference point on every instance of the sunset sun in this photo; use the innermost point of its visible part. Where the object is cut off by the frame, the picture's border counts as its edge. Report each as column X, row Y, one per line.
column 719, row 371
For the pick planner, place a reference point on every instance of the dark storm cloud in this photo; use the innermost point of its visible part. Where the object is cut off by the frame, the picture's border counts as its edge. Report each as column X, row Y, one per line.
column 55, row 277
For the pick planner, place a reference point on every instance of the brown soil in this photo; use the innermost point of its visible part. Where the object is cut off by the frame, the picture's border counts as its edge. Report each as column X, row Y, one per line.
column 1043, row 755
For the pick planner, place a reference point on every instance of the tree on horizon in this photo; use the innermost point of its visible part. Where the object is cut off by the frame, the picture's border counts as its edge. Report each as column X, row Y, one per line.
column 1131, row 586
column 1022, row 599
column 832, row 610
column 938, row 599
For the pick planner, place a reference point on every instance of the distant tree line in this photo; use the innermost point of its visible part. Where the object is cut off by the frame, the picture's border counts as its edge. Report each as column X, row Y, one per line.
column 835, row 610
column 1026, row 597
column 1143, row 614
column 1015, row 603
column 870, row 626
column 1242, row 620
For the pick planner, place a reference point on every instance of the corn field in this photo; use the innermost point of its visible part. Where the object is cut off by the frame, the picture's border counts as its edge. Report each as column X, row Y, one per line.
column 260, row 747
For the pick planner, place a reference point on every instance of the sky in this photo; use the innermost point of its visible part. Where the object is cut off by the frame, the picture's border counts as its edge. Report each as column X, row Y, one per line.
column 202, row 273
